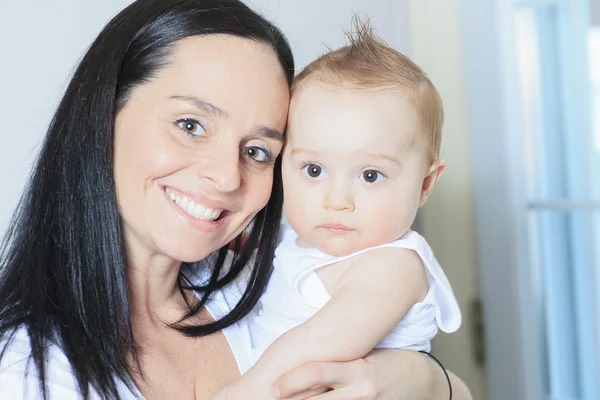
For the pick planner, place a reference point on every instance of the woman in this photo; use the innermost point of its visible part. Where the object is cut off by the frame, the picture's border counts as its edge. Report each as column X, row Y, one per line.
column 162, row 151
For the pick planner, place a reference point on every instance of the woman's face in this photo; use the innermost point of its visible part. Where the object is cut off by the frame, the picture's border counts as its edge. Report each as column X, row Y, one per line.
column 196, row 145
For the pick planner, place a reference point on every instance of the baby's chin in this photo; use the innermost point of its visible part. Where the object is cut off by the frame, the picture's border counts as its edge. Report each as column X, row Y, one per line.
column 340, row 247
column 343, row 246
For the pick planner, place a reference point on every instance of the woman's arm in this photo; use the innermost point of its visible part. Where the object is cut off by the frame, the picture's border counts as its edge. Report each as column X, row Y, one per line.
column 382, row 375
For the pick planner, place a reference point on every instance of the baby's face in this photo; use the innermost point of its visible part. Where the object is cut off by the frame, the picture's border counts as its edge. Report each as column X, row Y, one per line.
column 353, row 167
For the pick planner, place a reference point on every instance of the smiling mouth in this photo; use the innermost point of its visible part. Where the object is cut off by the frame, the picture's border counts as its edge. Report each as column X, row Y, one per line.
column 196, row 210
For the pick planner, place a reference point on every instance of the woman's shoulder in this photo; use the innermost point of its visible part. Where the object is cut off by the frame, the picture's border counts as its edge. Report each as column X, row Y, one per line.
column 19, row 378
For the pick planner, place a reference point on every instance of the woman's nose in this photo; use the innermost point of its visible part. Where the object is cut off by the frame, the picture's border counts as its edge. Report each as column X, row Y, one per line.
column 223, row 170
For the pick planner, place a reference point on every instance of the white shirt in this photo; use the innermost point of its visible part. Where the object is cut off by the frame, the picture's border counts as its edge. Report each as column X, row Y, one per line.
column 19, row 378
column 295, row 293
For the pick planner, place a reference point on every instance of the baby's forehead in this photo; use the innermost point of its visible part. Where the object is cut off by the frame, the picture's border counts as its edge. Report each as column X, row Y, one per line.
column 318, row 103
column 317, row 84
column 353, row 139
column 383, row 101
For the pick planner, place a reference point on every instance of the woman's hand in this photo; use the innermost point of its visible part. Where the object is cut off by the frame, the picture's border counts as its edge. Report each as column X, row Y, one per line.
column 382, row 375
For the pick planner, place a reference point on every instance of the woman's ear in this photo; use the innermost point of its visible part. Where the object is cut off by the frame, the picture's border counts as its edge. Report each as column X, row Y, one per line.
column 434, row 173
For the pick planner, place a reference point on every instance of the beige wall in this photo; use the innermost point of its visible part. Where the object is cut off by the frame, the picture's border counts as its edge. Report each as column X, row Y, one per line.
column 447, row 218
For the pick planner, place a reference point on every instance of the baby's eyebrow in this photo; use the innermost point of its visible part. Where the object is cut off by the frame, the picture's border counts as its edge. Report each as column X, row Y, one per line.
column 302, row 151
column 384, row 156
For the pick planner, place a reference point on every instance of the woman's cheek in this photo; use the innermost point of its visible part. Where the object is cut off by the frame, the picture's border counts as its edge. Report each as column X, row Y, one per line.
column 259, row 190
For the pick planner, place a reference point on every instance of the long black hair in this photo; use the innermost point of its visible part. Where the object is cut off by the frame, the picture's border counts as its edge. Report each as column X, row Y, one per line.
column 63, row 261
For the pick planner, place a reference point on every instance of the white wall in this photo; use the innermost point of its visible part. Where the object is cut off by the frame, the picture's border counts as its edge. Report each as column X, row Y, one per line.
column 41, row 42
column 312, row 24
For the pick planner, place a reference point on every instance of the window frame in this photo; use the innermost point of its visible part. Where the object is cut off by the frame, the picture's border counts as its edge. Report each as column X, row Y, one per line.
column 508, row 278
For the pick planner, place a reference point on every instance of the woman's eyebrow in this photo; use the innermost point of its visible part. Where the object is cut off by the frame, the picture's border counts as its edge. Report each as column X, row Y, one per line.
column 219, row 113
column 270, row 133
column 203, row 105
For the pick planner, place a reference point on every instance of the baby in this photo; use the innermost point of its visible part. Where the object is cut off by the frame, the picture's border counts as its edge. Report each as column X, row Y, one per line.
column 362, row 156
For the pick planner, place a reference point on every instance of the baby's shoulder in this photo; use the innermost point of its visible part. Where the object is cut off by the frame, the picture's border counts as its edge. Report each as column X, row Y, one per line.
column 385, row 271
column 387, row 256
column 385, row 264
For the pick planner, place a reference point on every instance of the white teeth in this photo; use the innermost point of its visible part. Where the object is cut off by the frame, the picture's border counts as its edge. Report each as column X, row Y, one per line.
column 190, row 207
column 197, row 211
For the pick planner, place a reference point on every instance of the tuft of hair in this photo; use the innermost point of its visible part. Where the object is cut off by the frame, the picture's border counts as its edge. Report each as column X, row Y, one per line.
column 368, row 62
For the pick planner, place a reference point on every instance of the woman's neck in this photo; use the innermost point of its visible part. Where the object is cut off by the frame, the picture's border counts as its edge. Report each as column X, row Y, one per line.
column 154, row 294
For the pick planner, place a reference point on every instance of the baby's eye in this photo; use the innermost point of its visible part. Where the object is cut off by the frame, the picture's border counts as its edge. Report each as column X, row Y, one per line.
column 314, row 171
column 257, row 154
column 371, row 176
column 191, row 127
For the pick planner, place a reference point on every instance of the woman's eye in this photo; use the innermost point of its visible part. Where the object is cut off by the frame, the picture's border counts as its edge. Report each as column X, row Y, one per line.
column 371, row 176
column 191, row 127
column 257, row 154
column 314, row 171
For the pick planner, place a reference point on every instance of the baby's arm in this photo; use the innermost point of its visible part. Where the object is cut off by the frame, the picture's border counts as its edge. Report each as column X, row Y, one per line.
column 370, row 299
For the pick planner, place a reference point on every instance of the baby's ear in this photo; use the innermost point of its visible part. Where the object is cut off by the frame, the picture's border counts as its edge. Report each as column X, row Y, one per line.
column 434, row 173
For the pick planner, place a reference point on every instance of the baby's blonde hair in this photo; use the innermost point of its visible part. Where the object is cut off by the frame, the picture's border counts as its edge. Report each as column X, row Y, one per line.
column 368, row 62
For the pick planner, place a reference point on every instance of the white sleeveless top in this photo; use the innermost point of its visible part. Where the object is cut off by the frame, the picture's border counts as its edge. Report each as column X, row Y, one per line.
column 19, row 378
column 295, row 293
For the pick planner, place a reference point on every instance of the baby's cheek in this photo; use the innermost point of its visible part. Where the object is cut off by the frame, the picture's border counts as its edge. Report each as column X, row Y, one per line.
column 390, row 221
column 294, row 212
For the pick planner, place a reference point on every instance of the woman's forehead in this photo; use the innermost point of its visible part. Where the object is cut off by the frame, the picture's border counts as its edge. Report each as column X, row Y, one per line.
column 224, row 60
column 241, row 77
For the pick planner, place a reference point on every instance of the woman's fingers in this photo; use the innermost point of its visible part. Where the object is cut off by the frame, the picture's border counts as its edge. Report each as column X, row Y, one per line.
column 309, row 394
column 359, row 392
column 332, row 375
column 306, row 377
column 298, row 380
